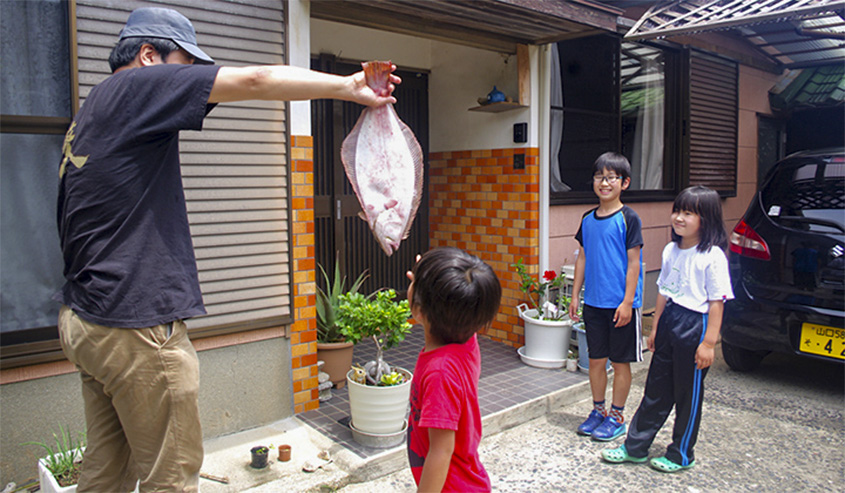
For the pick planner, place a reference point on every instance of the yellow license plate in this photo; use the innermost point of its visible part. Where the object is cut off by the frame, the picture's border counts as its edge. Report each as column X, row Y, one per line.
column 823, row 340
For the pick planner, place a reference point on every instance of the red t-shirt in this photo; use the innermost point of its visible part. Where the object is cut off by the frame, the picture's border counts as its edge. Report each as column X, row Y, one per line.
column 444, row 395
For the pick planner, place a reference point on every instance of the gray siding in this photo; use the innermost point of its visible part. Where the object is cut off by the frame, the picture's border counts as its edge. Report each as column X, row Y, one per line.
column 235, row 171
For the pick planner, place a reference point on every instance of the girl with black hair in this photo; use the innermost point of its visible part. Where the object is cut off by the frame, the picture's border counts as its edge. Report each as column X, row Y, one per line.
column 693, row 286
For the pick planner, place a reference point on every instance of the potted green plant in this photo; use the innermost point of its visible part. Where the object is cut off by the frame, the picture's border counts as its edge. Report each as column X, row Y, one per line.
column 378, row 392
column 259, row 456
column 547, row 324
column 332, row 347
column 58, row 471
column 572, row 362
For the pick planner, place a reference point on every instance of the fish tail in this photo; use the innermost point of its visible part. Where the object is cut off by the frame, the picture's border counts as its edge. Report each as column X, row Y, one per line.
column 377, row 74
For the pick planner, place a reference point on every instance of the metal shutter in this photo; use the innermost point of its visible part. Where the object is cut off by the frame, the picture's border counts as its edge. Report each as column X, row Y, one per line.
column 712, row 117
column 235, row 171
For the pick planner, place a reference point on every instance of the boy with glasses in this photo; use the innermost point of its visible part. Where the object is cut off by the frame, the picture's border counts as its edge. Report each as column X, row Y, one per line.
column 610, row 269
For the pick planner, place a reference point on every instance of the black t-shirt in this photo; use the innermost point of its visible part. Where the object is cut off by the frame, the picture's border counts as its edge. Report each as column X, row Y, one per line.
column 123, row 225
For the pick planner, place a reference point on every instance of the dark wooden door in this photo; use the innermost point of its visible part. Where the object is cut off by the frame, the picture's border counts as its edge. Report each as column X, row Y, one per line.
column 339, row 231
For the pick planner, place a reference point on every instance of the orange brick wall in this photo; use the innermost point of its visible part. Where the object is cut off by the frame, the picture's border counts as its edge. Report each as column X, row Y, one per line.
column 480, row 204
column 303, row 340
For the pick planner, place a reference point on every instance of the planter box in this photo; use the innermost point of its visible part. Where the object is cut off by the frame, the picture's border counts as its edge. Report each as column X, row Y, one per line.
column 48, row 482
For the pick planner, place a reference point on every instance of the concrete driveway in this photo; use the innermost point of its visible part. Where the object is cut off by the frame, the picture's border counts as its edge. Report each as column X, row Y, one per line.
column 779, row 428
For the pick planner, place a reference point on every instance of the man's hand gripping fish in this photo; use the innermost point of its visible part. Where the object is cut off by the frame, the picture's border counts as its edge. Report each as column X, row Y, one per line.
column 384, row 163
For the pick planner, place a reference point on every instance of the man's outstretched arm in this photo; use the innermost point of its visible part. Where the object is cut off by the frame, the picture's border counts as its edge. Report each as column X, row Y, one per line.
column 286, row 83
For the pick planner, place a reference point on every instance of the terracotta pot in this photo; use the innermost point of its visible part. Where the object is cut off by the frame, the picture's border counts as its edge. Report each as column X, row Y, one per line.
column 337, row 357
column 284, row 453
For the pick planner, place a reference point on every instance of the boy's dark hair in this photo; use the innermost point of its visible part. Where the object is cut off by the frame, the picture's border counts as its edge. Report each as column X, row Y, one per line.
column 707, row 204
column 457, row 293
column 613, row 161
column 126, row 49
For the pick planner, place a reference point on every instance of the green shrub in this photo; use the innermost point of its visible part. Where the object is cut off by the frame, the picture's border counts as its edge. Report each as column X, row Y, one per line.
column 377, row 316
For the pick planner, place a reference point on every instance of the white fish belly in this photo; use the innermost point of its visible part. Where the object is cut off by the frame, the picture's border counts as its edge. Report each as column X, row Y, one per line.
column 385, row 166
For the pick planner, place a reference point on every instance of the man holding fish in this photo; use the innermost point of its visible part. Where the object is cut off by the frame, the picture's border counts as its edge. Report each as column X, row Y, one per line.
column 131, row 275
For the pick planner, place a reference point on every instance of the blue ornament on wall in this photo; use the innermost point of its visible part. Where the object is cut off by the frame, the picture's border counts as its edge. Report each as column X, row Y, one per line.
column 495, row 96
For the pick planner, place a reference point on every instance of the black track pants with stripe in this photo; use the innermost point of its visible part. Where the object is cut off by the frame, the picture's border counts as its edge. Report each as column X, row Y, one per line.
column 673, row 380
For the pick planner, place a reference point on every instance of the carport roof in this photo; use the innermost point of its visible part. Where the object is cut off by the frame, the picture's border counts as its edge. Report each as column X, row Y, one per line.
column 496, row 25
column 792, row 33
column 813, row 87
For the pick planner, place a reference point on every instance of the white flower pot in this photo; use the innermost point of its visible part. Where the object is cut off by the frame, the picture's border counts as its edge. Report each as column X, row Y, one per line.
column 545, row 340
column 379, row 410
column 48, row 481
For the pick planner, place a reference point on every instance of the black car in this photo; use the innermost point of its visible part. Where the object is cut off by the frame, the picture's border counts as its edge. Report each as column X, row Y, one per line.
column 787, row 265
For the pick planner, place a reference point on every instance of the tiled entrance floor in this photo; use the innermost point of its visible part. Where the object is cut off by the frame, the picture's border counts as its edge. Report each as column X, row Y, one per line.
column 505, row 382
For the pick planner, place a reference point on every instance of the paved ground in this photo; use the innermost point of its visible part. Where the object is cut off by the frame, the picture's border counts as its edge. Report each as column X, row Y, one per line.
column 779, row 428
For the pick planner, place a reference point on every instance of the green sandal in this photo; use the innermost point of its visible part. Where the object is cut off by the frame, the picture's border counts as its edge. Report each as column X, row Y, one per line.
column 663, row 464
column 619, row 455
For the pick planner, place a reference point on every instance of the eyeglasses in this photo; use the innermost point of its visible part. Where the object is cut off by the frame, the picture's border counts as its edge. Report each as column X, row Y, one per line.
column 609, row 179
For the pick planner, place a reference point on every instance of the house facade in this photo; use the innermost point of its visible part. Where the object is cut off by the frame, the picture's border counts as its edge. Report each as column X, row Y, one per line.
column 504, row 182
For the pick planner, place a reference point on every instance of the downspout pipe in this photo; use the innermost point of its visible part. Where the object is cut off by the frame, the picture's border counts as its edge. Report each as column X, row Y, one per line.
column 544, row 119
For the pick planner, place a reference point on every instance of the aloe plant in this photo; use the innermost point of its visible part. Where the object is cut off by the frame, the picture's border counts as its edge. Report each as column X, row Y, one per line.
column 328, row 302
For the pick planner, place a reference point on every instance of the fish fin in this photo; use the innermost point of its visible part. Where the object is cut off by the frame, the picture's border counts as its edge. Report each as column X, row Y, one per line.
column 348, row 152
column 348, row 156
column 417, row 156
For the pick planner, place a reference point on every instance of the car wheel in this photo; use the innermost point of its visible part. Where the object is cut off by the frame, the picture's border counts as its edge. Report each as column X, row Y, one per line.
column 741, row 359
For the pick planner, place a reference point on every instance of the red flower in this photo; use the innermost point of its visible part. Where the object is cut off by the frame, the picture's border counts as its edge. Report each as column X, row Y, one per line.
column 549, row 275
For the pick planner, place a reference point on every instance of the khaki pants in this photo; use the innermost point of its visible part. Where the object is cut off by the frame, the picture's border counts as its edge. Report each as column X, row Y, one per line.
column 140, row 388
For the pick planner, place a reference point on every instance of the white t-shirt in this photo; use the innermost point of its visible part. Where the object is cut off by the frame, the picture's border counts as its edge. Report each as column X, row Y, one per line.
column 692, row 279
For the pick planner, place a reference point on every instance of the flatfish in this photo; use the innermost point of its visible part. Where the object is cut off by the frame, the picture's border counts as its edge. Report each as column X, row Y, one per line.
column 384, row 163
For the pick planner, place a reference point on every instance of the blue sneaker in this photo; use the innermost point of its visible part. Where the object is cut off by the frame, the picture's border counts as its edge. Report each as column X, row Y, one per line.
column 593, row 420
column 609, row 429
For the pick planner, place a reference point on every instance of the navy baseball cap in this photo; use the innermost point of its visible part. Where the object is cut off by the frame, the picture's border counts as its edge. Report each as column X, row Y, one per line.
column 156, row 22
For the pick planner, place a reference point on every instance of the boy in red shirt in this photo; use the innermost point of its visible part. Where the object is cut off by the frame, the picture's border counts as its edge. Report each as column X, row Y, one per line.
column 453, row 295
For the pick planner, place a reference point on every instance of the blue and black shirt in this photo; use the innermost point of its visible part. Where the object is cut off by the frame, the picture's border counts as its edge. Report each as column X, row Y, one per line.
column 605, row 242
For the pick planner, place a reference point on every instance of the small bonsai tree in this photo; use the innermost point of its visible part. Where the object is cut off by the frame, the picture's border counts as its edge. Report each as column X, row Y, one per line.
column 380, row 317
column 328, row 302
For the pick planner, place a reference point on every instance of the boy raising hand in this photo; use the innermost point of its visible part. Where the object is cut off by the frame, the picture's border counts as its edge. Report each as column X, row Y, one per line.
column 453, row 295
